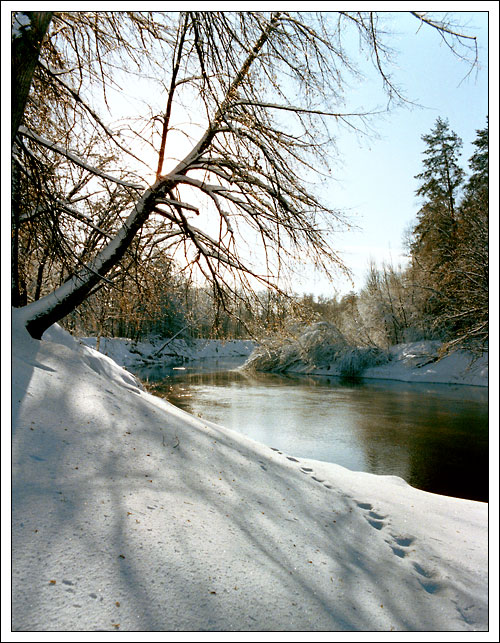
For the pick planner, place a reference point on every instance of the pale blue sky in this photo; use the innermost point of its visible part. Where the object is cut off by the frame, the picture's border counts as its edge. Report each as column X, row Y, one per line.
column 377, row 181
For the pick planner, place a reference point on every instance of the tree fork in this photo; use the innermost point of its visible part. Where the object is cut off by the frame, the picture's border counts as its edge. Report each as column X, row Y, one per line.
column 41, row 314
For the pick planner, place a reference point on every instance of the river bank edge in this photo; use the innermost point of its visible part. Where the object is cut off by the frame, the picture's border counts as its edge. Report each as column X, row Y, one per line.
column 70, row 461
column 409, row 362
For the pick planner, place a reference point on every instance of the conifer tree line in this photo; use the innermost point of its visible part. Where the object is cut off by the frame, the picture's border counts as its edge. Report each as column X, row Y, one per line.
column 443, row 292
column 449, row 246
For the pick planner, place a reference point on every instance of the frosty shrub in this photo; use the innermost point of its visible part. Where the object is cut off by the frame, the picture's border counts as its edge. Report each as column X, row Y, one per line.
column 322, row 343
column 320, row 346
column 354, row 360
column 274, row 356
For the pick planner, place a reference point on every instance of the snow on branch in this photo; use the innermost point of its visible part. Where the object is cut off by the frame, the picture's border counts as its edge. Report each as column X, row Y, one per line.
column 205, row 244
column 75, row 159
column 174, row 202
column 205, row 187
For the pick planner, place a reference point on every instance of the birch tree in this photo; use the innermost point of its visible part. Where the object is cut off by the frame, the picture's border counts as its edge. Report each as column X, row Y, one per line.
column 268, row 91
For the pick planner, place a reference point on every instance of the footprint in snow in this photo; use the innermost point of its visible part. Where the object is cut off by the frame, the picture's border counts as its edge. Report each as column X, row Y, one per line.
column 308, row 470
column 400, row 547
column 400, row 544
column 374, row 519
column 426, row 579
column 305, row 470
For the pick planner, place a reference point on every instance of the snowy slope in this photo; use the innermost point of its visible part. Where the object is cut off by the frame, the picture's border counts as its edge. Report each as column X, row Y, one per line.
column 130, row 515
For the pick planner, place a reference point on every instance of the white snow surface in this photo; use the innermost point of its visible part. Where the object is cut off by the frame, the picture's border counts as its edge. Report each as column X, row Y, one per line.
column 129, row 514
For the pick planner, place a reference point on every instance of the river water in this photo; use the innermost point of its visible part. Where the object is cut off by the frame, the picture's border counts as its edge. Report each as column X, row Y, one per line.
column 434, row 436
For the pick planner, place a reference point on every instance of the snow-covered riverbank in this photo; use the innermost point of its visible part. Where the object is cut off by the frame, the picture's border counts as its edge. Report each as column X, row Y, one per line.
column 320, row 349
column 127, row 353
column 412, row 362
column 130, row 515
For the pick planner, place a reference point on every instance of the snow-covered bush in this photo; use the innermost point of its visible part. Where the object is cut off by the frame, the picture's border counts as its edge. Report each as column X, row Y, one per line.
column 354, row 360
column 274, row 356
column 320, row 347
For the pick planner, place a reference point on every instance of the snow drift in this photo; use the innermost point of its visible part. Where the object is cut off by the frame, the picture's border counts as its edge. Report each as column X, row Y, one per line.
column 130, row 515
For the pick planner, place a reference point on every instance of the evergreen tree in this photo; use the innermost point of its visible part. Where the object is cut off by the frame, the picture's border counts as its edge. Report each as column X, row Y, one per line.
column 467, row 312
column 434, row 243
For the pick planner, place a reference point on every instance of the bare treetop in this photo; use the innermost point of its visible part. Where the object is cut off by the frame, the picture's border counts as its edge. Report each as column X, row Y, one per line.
column 267, row 89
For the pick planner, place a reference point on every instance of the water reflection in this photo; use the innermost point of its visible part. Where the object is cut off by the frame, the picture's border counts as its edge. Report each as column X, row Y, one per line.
column 435, row 436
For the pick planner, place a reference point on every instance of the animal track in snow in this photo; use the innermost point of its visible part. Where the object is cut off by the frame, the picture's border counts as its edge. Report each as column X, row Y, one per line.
column 306, row 470
column 398, row 544
column 376, row 516
column 376, row 524
column 373, row 518
column 426, row 580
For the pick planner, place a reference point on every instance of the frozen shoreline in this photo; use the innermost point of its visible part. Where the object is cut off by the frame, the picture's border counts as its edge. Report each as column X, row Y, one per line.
column 131, row 515
column 407, row 363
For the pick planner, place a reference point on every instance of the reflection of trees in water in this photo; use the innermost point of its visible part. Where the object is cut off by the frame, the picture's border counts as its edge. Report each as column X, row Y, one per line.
column 454, row 460
column 434, row 443
column 429, row 435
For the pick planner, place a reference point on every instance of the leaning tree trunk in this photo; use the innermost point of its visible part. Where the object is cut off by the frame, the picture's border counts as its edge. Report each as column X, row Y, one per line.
column 41, row 314
column 48, row 310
